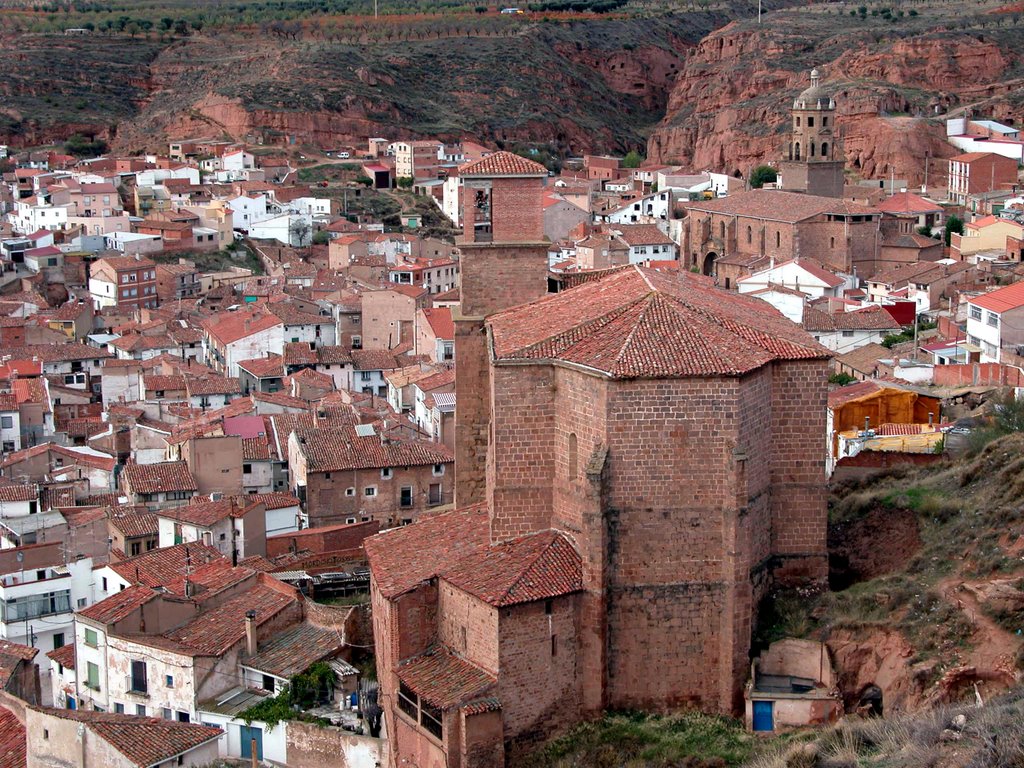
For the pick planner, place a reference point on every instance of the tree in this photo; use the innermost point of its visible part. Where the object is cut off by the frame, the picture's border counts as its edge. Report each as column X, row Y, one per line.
column 632, row 159
column 405, row 182
column 763, row 174
column 81, row 146
column 953, row 224
column 298, row 229
column 322, row 237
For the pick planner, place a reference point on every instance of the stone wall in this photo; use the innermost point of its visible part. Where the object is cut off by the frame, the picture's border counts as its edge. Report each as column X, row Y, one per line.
column 314, row 746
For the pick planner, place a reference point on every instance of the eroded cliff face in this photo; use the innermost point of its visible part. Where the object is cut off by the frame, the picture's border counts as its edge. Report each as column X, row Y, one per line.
column 728, row 110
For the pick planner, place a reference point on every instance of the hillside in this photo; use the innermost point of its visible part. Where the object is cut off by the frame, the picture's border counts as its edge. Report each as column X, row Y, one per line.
column 890, row 71
column 586, row 85
column 927, row 601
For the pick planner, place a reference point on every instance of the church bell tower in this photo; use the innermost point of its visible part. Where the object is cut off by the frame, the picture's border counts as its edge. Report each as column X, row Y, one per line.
column 812, row 160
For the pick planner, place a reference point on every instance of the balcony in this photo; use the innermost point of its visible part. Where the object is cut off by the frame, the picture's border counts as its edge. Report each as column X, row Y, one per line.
column 136, row 686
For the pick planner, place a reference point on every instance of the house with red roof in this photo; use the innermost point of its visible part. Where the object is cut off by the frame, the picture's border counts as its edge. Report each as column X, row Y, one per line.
column 435, row 334
column 995, row 322
column 124, row 282
column 990, row 238
column 232, row 336
column 803, row 275
column 116, row 740
column 233, row 525
column 975, row 172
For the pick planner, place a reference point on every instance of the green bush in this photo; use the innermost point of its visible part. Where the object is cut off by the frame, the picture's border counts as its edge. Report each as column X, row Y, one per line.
column 763, row 174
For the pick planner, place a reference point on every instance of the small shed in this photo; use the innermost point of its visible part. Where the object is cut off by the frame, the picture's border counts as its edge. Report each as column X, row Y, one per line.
column 792, row 684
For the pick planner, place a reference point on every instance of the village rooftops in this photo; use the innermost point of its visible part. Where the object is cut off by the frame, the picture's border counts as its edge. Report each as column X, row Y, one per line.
column 118, row 606
column 776, row 205
column 11, row 655
column 269, row 367
column 144, row 741
column 295, row 650
column 440, row 321
column 907, row 203
column 229, row 327
column 870, row 318
column 65, row 655
column 12, row 740
column 637, row 322
column 443, row 679
column 159, row 567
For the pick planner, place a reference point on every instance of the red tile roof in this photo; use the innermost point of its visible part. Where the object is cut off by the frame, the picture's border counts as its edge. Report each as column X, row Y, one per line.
column 908, row 203
column 534, row 567
column 1002, row 299
column 229, row 327
column 255, row 449
column 212, row 385
column 440, row 321
column 157, row 478
column 205, row 513
column 443, row 679
column 276, row 500
column 118, row 606
column 145, row 741
column 335, row 449
column 776, row 205
column 160, row 566
column 18, row 491
column 641, row 323
column 133, row 522
column 404, row 557
column 502, row 164
column 293, row 651
column 12, row 740
column 264, row 367
column 872, row 318
column 65, row 656
column 374, row 360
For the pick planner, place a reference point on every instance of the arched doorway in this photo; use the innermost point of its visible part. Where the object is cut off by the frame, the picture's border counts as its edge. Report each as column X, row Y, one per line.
column 709, row 264
column 870, row 701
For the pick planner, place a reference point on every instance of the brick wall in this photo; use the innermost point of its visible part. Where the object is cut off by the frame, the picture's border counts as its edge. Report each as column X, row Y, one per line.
column 520, row 460
column 539, row 686
column 322, row 539
column 473, row 414
column 977, row 374
column 468, row 626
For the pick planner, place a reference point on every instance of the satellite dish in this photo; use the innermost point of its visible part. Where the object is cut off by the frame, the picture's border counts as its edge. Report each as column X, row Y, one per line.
column 20, row 556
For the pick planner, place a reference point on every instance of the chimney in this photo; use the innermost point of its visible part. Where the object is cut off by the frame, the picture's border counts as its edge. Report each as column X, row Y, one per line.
column 250, row 633
column 867, row 423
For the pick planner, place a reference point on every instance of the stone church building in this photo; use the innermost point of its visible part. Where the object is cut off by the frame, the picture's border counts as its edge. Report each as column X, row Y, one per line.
column 640, row 458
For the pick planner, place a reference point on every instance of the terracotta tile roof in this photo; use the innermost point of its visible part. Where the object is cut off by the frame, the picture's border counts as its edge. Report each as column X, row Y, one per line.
column 212, row 385
column 334, row 449
column 144, row 741
column 58, row 353
column 12, row 740
column 908, row 203
column 215, row 630
column 313, row 378
column 402, row 377
column 374, row 360
column 119, row 606
column 642, row 234
column 440, row 321
column 480, row 706
column 229, row 327
column 863, row 390
column 18, row 491
column 155, row 478
column 443, row 679
column 65, row 655
column 296, row 649
column 332, row 355
column 158, row 383
column 205, row 513
column 437, row 380
column 160, row 567
column 776, row 205
column 289, row 314
column 276, row 500
column 533, row 567
column 299, row 353
column 872, row 318
column 54, row 498
column 502, row 164
column 125, row 262
column 901, row 275
column 210, row 579
column 133, row 522
column 1002, row 299
column 279, row 398
column 264, row 367
column 403, row 557
column 912, row 240
column 255, row 449
column 638, row 322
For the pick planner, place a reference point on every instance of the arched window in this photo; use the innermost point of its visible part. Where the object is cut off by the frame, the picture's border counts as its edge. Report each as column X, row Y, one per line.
column 572, row 456
column 778, row 239
column 750, row 235
column 798, row 121
column 811, row 150
column 824, row 121
column 824, row 149
column 831, row 242
column 721, row 229
column 796, row 151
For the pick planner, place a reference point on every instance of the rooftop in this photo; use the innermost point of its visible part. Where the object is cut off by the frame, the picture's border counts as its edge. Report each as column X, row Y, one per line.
column 502, row 164
column 776, row 205
column 443, row 679
column 640, row 323
column 293, row 651
column 159, row 478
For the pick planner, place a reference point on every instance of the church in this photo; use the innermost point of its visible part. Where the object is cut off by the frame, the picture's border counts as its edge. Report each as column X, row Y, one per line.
column 640, row 458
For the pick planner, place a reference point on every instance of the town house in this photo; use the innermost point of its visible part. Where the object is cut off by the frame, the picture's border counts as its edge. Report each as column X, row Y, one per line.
column 995, row 322
column 124, row 282
column 230, row 337
column 233, row 526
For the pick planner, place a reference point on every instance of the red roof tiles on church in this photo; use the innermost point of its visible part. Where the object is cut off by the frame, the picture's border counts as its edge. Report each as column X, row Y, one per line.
column 640, row 323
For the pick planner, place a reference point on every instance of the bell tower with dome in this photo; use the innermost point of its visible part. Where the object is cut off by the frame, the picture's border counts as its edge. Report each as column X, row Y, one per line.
column 812, row 160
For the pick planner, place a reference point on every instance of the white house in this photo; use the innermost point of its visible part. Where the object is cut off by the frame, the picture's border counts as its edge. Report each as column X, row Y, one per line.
column 844, row 332
column 154, row 176
column 290, row 229
column 802, row 276
column 39, row 603
column 995, row 321
column 248, row 210
column 654, row 207
column 31, row 214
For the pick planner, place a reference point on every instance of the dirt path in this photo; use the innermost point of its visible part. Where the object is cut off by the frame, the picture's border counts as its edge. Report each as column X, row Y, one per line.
column 994, row 650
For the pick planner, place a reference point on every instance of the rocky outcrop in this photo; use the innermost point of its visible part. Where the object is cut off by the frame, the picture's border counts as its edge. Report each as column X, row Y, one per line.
column 728, row 110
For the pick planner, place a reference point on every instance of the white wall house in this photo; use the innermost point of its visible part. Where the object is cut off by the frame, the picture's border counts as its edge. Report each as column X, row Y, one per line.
column 650, row 208
column 995, row 321
column 803, row 277
column 289, row 229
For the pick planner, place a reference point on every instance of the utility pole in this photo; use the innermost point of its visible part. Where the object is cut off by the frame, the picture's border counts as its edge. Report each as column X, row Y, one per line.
column 758, row 11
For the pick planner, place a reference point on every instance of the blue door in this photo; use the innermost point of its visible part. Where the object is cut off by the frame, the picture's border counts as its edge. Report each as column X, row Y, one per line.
column 250, row 734
column 763, row 718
